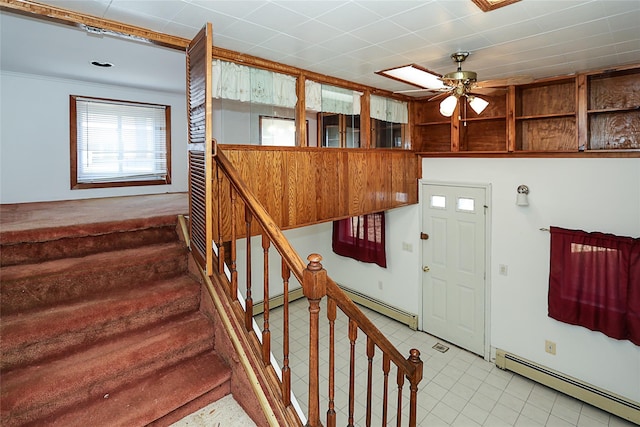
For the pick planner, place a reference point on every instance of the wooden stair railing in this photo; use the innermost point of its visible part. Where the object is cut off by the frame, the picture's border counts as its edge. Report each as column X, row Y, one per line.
column 230, row 194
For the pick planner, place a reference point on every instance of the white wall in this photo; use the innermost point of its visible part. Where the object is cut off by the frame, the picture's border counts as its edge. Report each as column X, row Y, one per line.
column 34, row 138
column 588, row 194
column 400, row 280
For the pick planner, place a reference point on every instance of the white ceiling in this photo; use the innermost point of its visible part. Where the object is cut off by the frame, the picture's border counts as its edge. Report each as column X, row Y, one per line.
column 341, row 38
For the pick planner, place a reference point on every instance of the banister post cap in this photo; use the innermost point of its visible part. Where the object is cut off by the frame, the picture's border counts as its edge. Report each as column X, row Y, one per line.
column 314, row 262
column 314, row 278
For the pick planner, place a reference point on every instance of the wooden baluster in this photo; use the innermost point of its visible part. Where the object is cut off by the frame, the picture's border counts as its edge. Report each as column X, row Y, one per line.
column 220, row 245
column 386, row 366
column 400, row 382
column 414, row 358
column 353, row 335
column 370, row 353
column 266, row 333
column 286, row 372
column 234, row 271
column 331, row 316
column 314, row 284
column 248, row 312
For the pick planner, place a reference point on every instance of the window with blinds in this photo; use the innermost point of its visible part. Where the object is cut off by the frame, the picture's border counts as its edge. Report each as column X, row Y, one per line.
column 119, row 143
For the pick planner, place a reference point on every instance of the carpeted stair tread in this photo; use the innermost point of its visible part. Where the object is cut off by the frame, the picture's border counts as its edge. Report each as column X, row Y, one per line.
column 43, row 234
column 32, row 336
column 25, row 287
column 40, row 390
column 101, row 322
column 92, row 239
column 152, row 397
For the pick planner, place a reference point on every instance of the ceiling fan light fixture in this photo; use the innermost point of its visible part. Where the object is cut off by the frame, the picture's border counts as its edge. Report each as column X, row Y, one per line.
column 448, row 105
column 414, row 75
column 478, row 104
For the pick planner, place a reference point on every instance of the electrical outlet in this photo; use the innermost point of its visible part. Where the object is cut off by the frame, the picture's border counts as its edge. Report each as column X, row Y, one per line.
column 503, row 269
column 550, row 347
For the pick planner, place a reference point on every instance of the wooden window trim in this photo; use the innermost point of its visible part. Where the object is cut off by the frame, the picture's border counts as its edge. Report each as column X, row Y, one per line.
column 73, row 133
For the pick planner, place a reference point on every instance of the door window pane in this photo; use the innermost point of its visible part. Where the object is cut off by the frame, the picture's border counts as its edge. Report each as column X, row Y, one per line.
column 438, row 202
column 465, row 204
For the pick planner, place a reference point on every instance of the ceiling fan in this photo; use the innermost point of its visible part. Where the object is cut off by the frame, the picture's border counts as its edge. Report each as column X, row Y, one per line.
column 454, row 85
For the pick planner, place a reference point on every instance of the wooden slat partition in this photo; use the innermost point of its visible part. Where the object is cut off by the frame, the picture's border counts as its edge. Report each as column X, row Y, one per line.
column 316, row 285
column 304, row 186
column 199, row 62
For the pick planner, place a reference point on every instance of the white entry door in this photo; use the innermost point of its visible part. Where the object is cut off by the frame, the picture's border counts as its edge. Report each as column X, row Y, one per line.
column 453, row 280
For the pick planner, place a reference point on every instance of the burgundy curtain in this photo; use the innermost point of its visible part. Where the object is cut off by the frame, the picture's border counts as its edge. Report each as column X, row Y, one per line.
column 594, row 281
column 361, row 238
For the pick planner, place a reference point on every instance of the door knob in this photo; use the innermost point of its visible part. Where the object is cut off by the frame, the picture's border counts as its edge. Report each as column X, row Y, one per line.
column 425, row 269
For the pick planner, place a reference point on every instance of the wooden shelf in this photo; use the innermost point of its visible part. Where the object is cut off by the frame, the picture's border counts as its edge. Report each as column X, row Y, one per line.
column 479, row 119
column 587, row 114
column 441, row 122
column 613, row 110
column 546, row 116
column 547, row 134
column 477, row 133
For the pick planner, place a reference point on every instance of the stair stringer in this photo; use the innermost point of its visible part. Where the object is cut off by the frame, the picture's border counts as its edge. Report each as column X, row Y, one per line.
column 250, row 380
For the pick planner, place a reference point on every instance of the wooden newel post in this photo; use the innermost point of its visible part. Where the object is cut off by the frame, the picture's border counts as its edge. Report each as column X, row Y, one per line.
column 414, row 380
column 314, row 284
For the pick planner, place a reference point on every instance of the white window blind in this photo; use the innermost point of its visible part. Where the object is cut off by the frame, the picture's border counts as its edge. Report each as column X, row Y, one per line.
column 331, row 99
column 389, row 110
column 119, row 141
column 249, row 84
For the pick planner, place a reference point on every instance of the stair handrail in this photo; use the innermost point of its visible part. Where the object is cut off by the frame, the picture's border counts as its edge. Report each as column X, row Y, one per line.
column 410, row 368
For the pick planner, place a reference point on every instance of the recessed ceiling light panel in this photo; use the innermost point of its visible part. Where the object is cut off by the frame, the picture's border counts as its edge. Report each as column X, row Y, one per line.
column 414, row 75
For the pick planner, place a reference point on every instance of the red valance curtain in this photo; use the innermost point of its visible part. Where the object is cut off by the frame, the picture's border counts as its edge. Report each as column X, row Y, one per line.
column 361, row 238
column 594, row 281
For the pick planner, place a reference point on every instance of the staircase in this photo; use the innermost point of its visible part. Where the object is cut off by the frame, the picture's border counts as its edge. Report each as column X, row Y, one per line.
column 101, row 326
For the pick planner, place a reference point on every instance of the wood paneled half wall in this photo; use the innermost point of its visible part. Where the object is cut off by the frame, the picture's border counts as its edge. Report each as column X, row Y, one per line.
column 304, row 185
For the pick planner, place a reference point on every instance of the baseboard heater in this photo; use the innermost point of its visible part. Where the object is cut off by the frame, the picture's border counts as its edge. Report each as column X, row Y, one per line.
column 277, row 301
column 378, row 306
column 603, row 399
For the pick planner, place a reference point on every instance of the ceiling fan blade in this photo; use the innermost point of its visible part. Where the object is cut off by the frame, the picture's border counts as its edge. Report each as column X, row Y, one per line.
column 415, row 90
column 507, row 81
column 439, row 96
column 487, row 90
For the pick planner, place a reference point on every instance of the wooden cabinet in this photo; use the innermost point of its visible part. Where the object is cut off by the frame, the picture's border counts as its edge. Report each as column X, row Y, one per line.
column 593, row 112
column 487, row 131
column 545, row 116
column 431, row 130
column 465, row 130
column 612, row 110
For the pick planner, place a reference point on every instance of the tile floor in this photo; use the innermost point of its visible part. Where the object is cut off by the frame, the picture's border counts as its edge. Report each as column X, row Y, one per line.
column 225, row 412
column 458, row 388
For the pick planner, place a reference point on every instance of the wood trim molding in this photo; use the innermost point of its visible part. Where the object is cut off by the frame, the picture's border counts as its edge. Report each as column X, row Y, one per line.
column 535, row 154
column 489, row 5
column 68, row 17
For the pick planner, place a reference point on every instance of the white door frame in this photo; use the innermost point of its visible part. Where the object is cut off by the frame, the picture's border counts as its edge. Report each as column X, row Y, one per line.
column 487, row 258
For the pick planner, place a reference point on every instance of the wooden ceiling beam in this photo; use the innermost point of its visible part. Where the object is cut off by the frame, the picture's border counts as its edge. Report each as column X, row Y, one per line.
column 64, row 16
